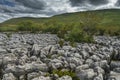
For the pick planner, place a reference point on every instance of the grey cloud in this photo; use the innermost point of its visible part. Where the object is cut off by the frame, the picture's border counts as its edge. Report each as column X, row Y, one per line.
column 98, row 2
column 92, row 2
column 77, row 2
column 35, row 4
column 39, row 8
column 118, row 3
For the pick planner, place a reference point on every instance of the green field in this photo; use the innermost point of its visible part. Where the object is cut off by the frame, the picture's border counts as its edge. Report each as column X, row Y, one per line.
column 100, row 22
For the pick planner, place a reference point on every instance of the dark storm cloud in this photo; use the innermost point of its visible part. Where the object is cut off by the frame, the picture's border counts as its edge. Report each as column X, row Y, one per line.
column 44, row 8
column 35, row 4
column 118, row 3
column 92, row 2
column 24, row 6
column 98, row 2
column 77, row 2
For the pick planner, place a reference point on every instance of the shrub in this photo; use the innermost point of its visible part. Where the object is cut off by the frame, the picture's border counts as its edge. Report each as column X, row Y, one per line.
column 90, row 21
column 73, row 44
column 25, row 26
column 88, row 38
column 65, row 29
column 61, row 73
column 101, row 32
column 47, row 74
column 61, row 43
column 51, row 28
column 28, row 26
column 76, row 35
column 62, row 31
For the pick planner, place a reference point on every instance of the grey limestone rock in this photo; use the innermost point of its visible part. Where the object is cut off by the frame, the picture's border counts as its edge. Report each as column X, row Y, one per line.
column 65, row 78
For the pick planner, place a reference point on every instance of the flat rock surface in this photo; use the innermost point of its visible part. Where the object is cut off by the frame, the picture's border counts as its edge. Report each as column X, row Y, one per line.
column 35, row 56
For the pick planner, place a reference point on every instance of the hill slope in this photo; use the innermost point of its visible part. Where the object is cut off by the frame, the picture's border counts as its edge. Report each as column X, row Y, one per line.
column 110, row 19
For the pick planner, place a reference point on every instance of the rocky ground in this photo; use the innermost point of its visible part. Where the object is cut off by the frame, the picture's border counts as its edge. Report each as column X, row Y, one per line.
column 35, row 56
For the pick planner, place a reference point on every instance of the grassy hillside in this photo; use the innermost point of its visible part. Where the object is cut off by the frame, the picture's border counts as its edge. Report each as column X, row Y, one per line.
column 111, row 18
column 100, row 22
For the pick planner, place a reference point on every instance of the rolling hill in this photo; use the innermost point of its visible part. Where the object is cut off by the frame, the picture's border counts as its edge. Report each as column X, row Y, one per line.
column 110, row 19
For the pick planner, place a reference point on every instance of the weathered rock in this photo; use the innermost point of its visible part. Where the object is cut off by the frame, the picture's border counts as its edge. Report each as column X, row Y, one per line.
column 115, row 64
column 114, row 76
column 117, row 70
column 72, row 66
column 42, row 78
column 99, row 70
column 67, row 48
column 95, row 58
column 65, row 78
column 9, row 76
column 32, row 75
column 89, row 61
column 34, row 56
column 84, row 54
column 75, row 60
column 88, row 74
column 55, row 64
column 35, row 49
column 7, row 59
column 99, row 77
column 3, row 51
column 35, row 67
column 16, row 70
column 82, row 67
column 49, row 49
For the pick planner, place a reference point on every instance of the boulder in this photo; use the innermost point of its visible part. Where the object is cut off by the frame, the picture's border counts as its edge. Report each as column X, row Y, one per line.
column 101, row 56
column 116, row 70
column 72, row 66
column 115, row 64
column 99, row 77
column 67, row 48
column 55, row 64
column 95, row 58
column 33, row 58
column 8, row 76
column 3, row 51
column 82, row 67
column 103, row 64
column 75, row 61
column 35, row 67
column 49, row 49
column 89, row 61
column 65, row 78
column 32, row 75
column 42, row 78
column 84, row 54
column 7, row 59
column 43, row 54
column 87, row 74
column 77, row 55
column 114, row 76
column 35, row 50
column 16, row 70
column 99, row 70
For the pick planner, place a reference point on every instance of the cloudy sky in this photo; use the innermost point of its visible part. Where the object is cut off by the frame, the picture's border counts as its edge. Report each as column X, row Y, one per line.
column 45, row 8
